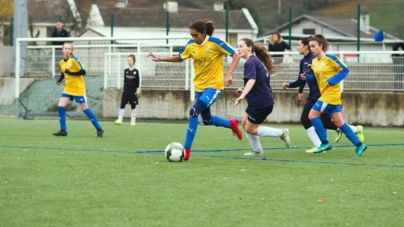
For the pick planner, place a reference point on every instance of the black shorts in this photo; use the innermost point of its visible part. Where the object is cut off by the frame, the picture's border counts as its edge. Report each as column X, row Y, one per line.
column 257, row 116
column 129, row 97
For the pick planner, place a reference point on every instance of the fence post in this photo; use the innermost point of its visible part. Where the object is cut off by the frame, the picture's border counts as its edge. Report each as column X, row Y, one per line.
column 11, row 31
column 290, row 25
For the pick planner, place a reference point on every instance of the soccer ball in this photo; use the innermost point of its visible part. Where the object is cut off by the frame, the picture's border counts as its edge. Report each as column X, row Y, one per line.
column 174, row 152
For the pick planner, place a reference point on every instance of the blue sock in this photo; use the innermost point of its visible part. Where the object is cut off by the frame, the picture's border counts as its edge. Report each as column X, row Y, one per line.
column 217, row 121
column 62, row 117
column 92, row 118
column 320, row 130
column 191, row 131
column 350, row 134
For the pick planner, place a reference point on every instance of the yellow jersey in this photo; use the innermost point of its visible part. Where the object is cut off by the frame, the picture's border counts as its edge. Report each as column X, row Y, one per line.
column 208, row 62
column 74, row 85
column 329, row 70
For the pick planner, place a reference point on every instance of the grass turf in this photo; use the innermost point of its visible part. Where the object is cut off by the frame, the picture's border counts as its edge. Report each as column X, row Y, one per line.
column 123, row 179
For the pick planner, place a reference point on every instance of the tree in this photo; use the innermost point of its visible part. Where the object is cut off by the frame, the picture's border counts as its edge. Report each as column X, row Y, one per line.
column 6, row 13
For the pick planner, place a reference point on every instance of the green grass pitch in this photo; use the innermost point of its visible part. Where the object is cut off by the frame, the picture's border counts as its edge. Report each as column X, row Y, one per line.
column 124, row 179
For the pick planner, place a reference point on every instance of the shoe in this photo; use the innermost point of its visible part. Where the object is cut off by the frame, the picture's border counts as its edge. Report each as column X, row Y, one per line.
column 60, row 133
column 118, row 122
column 235, row 129
column 311, row 150
column 254, row 153
column 360, row 134
column 285, row 137
column 338, row 135
column 359, row 150
column 132, row 123
column 187, row 154
column 322, row 148
column 100, row 133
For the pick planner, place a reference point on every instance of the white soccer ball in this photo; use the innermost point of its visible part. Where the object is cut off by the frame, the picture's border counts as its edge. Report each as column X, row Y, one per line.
column 174, row 152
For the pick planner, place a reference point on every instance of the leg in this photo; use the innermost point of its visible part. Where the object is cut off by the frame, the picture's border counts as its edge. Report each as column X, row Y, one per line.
column 192, row 127
column 252, row 138
column 133, row 115
column 63, row 101
column 314, row 116
column 93, row 118
column 311, row 132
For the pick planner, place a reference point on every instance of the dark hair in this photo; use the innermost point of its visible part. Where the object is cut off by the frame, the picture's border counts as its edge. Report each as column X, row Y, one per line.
column 133, row 57
column 320, row 39
column 305, row 41
column 262, row 53
column 203, row 26
column 397, row 45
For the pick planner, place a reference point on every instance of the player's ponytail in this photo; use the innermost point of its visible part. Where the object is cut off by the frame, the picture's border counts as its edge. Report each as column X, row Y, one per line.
column 262, row 53
column 203, row 26
column 209, row 28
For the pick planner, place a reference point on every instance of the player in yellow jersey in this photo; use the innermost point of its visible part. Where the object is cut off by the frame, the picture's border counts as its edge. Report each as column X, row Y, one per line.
column 208, row 54
column 328, row 72
column 75, row 89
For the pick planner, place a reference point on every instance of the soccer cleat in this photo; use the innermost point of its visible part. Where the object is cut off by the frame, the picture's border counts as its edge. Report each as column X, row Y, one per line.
column 285, row 137
column 254, row 153
column 187, row 154
column 360, row 149
column 60, row 133
column 311, row 150
column 118, row 122
column 235, row 129
column 132, row 123
column 100, row 133
column 322, row 148
column 360, row 134
column 338, row 135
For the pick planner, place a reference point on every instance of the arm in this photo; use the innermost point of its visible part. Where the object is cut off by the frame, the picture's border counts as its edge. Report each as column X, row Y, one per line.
column 234, row 63
column 82, row 72
column 308, row 77
column 342, row 73
column 62, row 76
column 138, row 89
column 166, row 59
column 250, row 83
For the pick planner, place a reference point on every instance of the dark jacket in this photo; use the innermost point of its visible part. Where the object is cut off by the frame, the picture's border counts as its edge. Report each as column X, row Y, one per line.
column 61, row 34
column 398, row 59
column 279, row 46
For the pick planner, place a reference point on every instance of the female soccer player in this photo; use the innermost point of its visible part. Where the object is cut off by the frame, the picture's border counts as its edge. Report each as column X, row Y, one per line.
column 75, row 88
column 207, row 53
column 328, row 71
column 131, row 90
column 314, row 95
column 258, row 93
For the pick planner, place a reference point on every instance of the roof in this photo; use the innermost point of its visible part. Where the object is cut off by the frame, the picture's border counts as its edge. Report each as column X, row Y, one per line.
column 149, row 17
column 347, row 27
column 43, row 11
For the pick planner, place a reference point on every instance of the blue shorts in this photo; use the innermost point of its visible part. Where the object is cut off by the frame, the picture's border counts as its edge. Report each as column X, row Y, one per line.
column 208, row 96
column 78, row 99
column 257, row 116
column 326, row 108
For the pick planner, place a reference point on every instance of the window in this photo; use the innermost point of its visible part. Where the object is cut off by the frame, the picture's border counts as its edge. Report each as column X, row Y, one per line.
column 233, row 39
column 309, row 31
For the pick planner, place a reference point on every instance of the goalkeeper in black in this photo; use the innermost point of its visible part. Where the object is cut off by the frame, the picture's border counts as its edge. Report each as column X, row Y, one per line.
column 131, row 90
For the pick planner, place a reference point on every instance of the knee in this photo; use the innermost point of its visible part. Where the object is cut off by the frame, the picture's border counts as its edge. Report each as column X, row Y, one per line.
column 193, row 112
column 207, row 121
column 305, row 121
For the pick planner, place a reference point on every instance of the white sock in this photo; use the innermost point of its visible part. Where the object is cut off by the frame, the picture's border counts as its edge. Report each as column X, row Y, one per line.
column 354, row 128
column 133, row 115
column 254, row 141
column 268, row 131
column 120, row 114
column 311, row 132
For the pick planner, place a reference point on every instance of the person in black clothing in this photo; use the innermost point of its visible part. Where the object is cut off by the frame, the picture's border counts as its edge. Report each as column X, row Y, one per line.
column 131, row 90
column 59, row 32
column 398, row 66
column 314, row 94
column 276, row 44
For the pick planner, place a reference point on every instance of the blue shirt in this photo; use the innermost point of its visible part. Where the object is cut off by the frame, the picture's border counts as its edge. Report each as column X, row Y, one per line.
column 305, row 67
column 260, row 95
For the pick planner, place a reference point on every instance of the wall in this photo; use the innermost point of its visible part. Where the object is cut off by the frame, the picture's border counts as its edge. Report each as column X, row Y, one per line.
column 6, row 62
column 381, row 109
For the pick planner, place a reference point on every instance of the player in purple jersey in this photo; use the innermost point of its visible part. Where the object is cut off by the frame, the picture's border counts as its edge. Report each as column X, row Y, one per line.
column 314, row 94
column 258, row 93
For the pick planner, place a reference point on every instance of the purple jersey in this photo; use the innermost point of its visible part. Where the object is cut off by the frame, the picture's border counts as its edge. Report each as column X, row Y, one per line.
column 261, row 93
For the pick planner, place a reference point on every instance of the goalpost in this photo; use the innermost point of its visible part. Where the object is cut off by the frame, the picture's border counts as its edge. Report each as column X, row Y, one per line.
column 104, row 59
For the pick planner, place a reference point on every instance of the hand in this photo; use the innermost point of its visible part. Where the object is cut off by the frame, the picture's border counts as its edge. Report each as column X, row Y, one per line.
column 155, row 58
column 238, row 101
column 239, row 91
column 57, row 83
column 285, row 85
column 303, row 76
column 300, row 97
column 228, row 79
column 138, row 92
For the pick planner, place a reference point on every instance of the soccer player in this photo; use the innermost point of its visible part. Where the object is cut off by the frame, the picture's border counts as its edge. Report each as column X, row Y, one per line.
column 314, row 95
column 131, row 90
column 328, row 71
column 75, row 89
column 258, row 93
column 208, row 54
